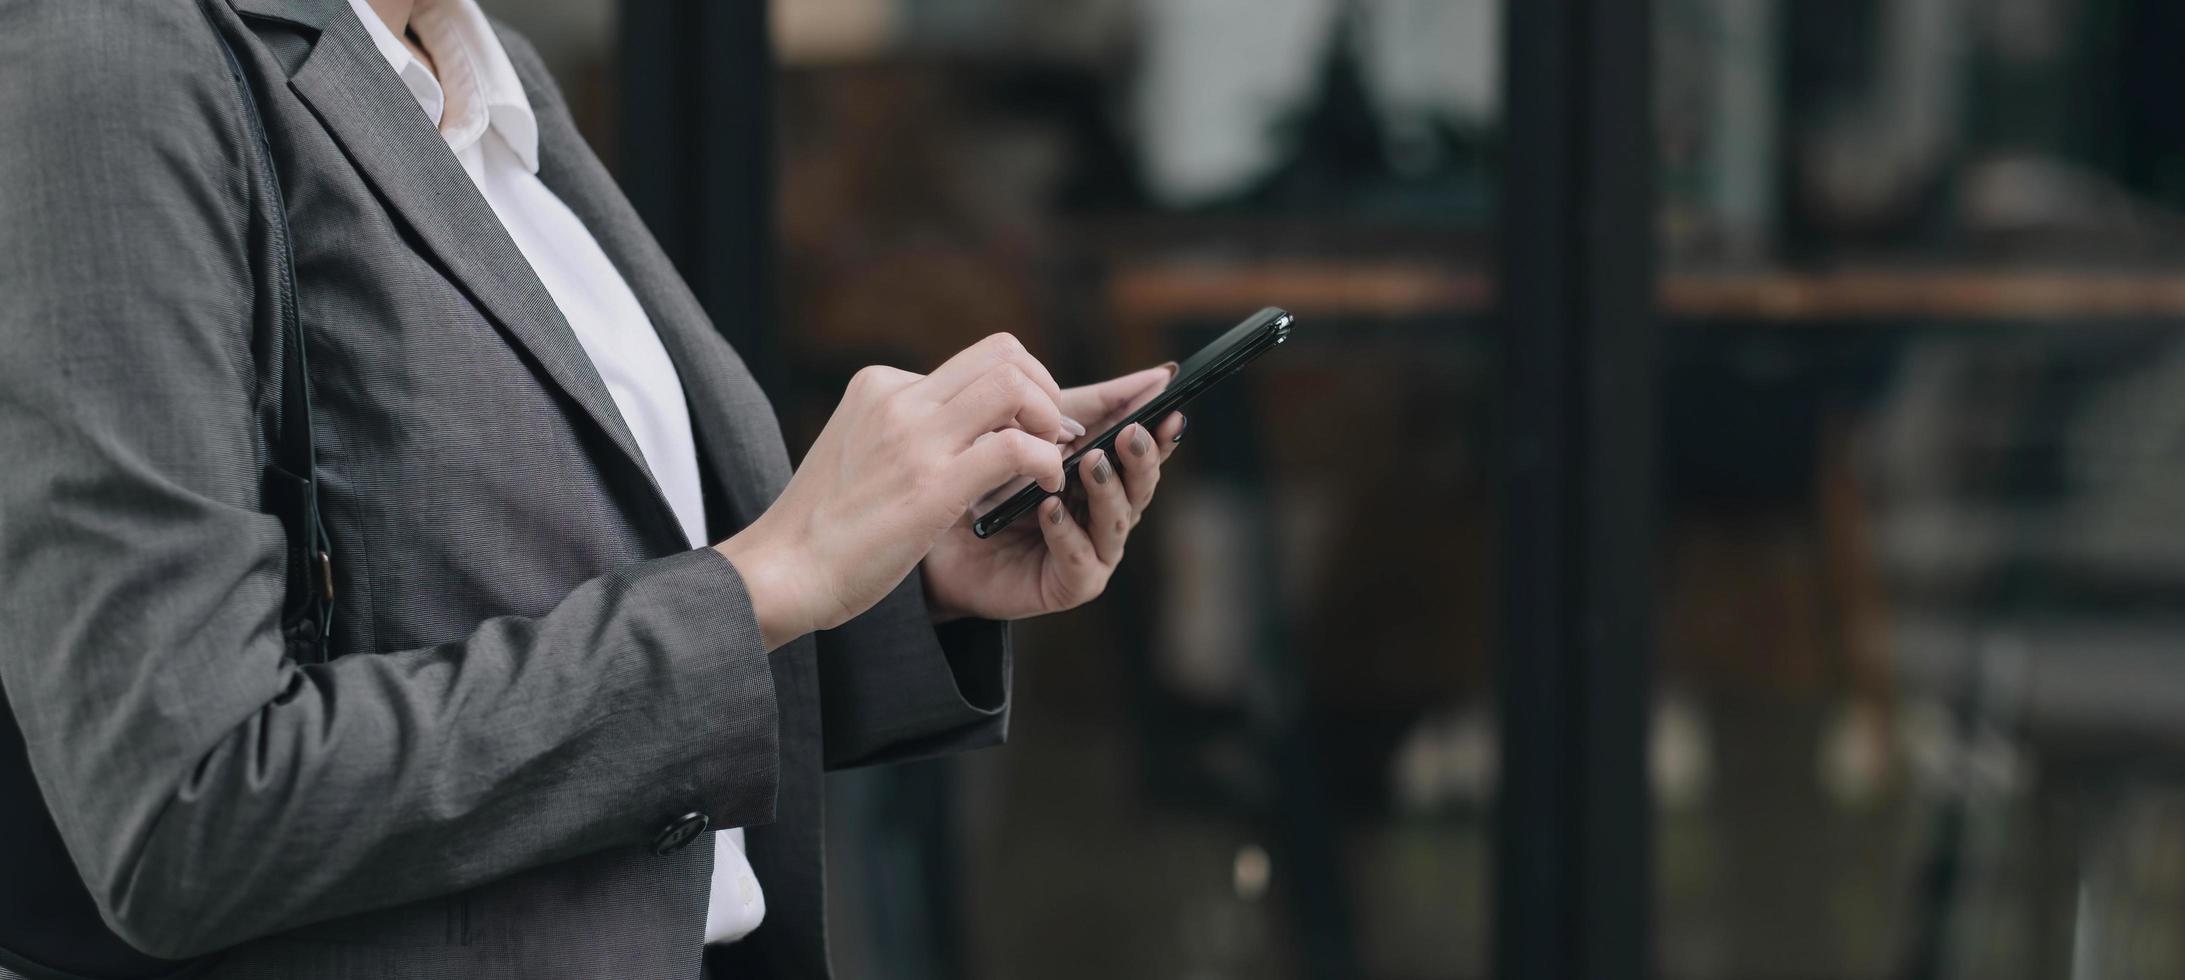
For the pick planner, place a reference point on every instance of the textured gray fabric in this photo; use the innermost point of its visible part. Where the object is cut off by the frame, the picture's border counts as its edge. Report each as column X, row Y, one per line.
column 534, row 677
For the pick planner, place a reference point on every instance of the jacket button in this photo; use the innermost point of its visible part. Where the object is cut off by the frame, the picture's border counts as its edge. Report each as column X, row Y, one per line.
column 678, row 835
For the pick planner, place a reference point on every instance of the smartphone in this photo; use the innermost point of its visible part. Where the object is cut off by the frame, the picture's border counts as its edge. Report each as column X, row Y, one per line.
column 1258, row 334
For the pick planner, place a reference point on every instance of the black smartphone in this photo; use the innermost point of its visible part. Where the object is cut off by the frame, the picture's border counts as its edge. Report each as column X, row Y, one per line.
column 1258, row 334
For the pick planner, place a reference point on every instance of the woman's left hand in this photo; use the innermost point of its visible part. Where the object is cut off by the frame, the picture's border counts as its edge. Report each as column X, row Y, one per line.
column 1046, row 561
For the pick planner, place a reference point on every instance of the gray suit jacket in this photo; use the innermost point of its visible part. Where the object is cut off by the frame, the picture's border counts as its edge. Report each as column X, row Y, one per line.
column 534, row 675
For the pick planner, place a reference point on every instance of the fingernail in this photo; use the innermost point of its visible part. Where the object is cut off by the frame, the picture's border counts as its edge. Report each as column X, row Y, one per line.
column 1100, row 470
column 1172, row 367
column 1182, row 422
column 1072, row 426
column 1054, row 513
column 1139, row 444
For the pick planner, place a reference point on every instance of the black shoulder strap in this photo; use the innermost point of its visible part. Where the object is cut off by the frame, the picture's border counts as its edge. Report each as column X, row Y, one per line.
column 292, row 476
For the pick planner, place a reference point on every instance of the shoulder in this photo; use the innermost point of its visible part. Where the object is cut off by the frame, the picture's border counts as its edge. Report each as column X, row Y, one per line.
column 148, row 73
column 108, row 46
column 122, row 141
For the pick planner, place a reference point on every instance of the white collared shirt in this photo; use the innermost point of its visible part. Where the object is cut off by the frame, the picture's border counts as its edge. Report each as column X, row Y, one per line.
column 480, row 108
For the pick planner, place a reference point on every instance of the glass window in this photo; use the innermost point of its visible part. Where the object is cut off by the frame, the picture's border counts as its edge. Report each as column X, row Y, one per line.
column 1919, row 569
column 1270, row 750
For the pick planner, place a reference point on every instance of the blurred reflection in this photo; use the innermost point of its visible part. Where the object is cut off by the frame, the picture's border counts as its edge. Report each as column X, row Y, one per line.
column 1223, row 83
column 1976, row 128
column 1919, row 629
column 1266, row 753
column 1924, row 435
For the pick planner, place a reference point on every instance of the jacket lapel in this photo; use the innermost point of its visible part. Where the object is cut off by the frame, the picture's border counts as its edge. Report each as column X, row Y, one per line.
column 347, row 83
column 733, row 419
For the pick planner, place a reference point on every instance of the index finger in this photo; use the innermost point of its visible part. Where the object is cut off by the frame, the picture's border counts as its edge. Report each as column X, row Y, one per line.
column 1004, row 395
column 973, row 362
column 1111, row 398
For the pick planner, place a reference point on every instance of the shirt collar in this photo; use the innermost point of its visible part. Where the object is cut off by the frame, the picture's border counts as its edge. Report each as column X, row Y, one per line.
column 477, row 87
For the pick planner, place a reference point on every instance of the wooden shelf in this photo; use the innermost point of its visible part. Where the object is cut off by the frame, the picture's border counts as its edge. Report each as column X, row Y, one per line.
column 1926, row 294
column 1366, row 288
column 1151, row 292
column 1144, row 299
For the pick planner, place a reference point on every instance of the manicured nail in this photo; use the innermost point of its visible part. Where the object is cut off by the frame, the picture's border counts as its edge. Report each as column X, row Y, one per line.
column 1172, row 367
column 1072, row 426
column 1139, row 444
column 1100, row 470
column 1182, row 422
column 1054, row 513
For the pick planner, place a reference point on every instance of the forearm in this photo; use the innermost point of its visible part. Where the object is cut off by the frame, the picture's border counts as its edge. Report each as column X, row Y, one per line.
column 376, row 780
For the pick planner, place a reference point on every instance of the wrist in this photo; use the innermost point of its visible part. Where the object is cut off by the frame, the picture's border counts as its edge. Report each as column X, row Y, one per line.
column 770, row 586
column 941, row 607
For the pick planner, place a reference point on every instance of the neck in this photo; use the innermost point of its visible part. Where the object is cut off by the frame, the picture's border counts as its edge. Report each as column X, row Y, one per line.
column 394, row 13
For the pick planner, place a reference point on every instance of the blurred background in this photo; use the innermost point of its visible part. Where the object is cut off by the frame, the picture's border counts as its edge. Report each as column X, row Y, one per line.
column 1893, row 665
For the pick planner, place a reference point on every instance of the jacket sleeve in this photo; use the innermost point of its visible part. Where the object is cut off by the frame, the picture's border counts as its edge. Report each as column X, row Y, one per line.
column 209, row 790
column 894, row 687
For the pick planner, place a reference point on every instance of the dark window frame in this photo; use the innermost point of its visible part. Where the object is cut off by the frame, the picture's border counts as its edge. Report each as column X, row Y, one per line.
column 1573, row 838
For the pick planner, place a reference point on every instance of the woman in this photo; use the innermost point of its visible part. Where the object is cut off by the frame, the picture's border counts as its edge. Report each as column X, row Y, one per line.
column 582, row 612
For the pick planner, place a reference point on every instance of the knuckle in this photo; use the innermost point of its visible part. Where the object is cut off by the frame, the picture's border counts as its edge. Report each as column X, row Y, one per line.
column 1009, row 379
column 1004, row 344
column 875, row 381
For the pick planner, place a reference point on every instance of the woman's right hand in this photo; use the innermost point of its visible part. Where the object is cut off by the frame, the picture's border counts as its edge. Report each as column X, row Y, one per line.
column 898, row 463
